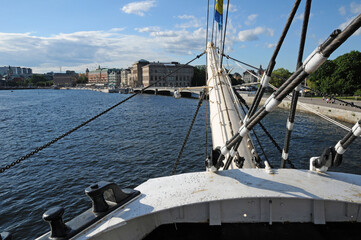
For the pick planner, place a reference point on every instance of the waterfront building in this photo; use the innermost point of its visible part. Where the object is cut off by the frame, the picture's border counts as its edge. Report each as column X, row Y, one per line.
column 136, row 79
column 249, row 76
column 129, row 79
column 156, row 71
column 98, row 77
column 124, row 77
column 114, row 78
column 16, row 72
column 67, row 79
column 87, row 72
column 2, row 82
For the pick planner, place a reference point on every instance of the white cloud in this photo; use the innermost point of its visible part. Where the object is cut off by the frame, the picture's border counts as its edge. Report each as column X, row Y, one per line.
column 192, row 22
column 88, row 49
column 117, row 29
column 186, row 17
column 252, row 34
column 164, row 34
column 148, row 29
column 182, row 42
column 231, row 8
column 271, row 45
column 138, row 8
column 342, row 10
column 301, row 16
column 251, row 19
column 355, row 8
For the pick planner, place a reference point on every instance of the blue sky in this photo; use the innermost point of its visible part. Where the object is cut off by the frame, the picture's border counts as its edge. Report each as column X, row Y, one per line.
column 47, row 35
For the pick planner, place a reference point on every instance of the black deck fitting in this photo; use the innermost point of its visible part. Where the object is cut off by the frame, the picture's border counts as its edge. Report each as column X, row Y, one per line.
column 102, row 191
column 55, row 218
column 6, row 236
column 105, row 196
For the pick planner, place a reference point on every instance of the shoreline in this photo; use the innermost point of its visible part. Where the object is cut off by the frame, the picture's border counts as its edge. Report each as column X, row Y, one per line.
column 334, row 111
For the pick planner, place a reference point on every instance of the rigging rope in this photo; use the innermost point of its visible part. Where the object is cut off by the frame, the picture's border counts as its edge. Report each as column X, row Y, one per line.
column 292, row 112
column 206, row 83
column 188, row 133
column 3, row 169
column 303, row 105
column 312, row 63
column 242, row 101
column 351, row 104
column 315, row 112
column 207, row 24
column 258, row 141
column 224, row 36
column 228, row 57
column 214, row 4
column 267, row 75
column 207, row 107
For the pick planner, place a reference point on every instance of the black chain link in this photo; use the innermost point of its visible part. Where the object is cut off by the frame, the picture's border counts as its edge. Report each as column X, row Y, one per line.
column 88, row 121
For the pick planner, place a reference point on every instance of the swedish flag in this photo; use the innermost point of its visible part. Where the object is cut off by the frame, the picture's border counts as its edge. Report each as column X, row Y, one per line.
column 218, row 13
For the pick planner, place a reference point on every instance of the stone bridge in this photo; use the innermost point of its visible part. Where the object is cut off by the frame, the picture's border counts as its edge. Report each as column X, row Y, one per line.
column 191, row 92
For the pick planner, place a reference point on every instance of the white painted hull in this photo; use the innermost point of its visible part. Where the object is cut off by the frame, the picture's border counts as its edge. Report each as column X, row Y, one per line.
column 234, row 196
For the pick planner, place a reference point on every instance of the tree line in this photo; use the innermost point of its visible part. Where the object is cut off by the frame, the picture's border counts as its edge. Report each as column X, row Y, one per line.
column 341, row 76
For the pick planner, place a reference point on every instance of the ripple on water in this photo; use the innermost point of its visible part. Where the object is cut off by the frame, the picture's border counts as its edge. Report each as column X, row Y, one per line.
column 135, row 141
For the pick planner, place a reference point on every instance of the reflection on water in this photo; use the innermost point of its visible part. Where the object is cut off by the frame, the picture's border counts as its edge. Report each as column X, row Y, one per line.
column 137, row 140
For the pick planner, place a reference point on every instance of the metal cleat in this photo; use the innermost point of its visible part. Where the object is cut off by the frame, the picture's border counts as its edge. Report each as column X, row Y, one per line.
column 6, row 236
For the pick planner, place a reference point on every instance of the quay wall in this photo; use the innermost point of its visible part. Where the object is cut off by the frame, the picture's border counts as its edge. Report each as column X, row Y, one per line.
column 350, row 116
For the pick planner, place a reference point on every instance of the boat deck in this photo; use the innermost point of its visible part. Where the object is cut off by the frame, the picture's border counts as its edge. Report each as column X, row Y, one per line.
column 247, row 195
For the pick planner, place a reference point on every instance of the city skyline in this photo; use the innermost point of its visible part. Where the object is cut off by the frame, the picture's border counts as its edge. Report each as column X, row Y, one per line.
column 75, row 35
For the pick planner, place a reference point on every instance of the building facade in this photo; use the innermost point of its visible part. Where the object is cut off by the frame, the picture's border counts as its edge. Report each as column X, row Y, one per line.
column 15, row 72
column 98, row 76
column 114, row 78
column 124, row 74
column 67, row 79
column 136, row 79
column 154, row 72
column 249, row 76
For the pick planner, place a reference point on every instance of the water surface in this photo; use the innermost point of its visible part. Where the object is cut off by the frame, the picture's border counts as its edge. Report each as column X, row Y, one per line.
column 138, row 140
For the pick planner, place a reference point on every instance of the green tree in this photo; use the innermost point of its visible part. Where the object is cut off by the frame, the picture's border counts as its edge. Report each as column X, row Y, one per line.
column 199, row 77
column 339, row 76
column 348, row 72
column 36, row 78
column 236, row 78
column 82, row 79
column 319, row 79
column 357, row 93
column 279, row 76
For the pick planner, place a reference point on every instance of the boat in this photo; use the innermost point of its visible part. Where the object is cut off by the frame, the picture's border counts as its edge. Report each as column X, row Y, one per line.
column 237, row 195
